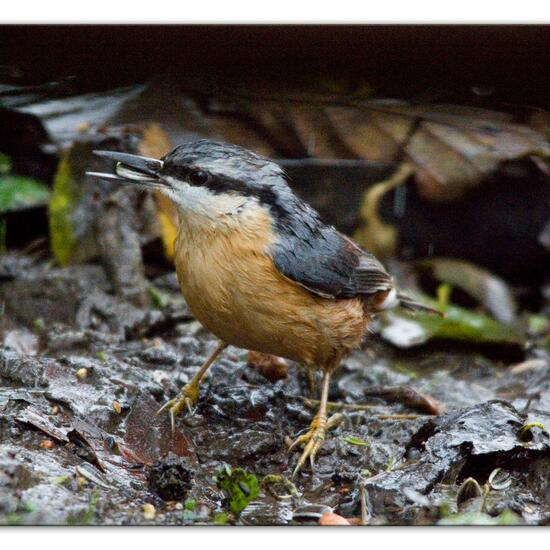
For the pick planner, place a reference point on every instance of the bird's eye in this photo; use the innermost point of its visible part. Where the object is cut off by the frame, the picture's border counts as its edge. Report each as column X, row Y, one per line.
column 198, row 177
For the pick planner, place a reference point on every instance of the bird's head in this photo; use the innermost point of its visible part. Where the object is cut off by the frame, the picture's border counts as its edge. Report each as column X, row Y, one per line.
column 207, row 180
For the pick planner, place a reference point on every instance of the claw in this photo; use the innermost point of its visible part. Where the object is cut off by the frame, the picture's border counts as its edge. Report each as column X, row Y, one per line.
column 313, row 440
column 173, row 421
column 310, row 450
column 187, row 399
column 298, row 441
column 165, row 406
column 189, row 406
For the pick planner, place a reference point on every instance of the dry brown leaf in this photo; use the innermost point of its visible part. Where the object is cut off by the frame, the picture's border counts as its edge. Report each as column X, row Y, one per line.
column 155, row 143
column 272, row 367
column 452, row 148
column 329, row 518
column 374, row 234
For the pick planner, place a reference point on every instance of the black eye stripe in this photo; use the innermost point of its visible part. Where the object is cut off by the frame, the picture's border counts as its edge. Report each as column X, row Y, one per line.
column 180, row 172
column 266, row 195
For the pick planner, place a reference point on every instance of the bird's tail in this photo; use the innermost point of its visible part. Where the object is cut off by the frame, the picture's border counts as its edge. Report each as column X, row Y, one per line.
column 408, row 303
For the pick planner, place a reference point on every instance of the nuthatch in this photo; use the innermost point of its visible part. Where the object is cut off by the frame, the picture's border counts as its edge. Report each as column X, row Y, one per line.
column 257, row 266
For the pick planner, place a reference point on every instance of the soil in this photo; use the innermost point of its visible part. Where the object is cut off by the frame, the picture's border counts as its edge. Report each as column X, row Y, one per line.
column 84, row 372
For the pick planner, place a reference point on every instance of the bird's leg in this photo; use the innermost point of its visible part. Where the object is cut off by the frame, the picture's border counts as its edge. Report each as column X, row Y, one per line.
column 315, row 436
column 189, row 394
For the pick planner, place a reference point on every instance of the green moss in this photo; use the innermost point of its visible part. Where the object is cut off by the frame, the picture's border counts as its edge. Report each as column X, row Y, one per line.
column 240, row 486
column 190, row 504
column 220, row 518
column 159, row 299
column 87, row 516
column 38, row 324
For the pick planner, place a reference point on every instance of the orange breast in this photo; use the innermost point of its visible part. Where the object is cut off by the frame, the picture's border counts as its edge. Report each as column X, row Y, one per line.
column 233, row 288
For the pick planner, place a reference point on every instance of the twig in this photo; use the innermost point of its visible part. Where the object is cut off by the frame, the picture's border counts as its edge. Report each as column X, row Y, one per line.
column 334, row 405
column 366, row 515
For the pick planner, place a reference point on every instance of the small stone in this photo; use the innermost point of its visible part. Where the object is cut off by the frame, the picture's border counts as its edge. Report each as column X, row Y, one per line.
column 149, row 511
column 47, row 444
column 178, row 506
column 117, row 407
column 82, row 373
column 54, row 409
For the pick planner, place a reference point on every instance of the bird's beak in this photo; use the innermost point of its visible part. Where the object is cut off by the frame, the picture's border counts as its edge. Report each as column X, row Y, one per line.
column 131, row 169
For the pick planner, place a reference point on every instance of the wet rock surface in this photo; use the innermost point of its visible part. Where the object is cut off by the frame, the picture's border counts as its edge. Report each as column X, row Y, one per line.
column 83, row 373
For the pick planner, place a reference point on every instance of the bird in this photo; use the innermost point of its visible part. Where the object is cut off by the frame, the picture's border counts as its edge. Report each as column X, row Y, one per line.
column 259, row 268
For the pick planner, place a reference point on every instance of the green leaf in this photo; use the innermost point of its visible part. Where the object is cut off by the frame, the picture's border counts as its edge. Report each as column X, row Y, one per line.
column 190, row 504
column 406, row 330
column 538, row 323
column 524, row 433
column 64, row 197
column 240, row 486
column 17, row 193
column 444, row 295
column 351, row 440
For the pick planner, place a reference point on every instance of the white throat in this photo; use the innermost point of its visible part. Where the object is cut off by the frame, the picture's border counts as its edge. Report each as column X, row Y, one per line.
column 200, row 208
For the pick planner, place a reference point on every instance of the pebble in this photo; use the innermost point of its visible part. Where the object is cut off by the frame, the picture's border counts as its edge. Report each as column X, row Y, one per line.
column 82, row 373
column 149, row 511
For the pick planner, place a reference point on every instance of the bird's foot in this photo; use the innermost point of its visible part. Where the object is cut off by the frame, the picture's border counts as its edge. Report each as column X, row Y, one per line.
column 187, row 399
column 313, row 439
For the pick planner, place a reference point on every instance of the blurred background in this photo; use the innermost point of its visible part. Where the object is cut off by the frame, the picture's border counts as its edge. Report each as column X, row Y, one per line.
column 342, row 108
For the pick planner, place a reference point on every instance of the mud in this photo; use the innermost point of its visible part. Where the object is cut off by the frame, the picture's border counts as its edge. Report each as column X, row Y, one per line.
column 84, row 371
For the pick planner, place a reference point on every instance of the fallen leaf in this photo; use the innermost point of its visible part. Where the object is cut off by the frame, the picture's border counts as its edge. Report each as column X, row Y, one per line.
column 272, row 367
column 329, row 518
column 18, row 193
column 155, row 143
column 351, row 440
column 488, row 289
column 452, row 147
column 406, row 330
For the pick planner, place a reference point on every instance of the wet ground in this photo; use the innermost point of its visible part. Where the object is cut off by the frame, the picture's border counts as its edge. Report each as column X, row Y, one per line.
column 81, row 444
